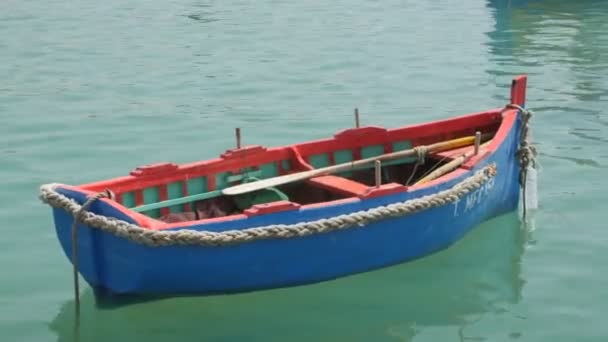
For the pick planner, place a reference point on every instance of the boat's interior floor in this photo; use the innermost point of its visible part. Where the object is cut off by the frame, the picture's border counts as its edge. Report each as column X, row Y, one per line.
column 316, row 190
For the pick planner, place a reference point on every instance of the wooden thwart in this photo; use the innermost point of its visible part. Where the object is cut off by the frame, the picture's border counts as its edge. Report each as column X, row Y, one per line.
column 299, row 176
column 348, row 166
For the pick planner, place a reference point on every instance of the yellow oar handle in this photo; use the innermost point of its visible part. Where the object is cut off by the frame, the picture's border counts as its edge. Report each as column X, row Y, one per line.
column 299, row 176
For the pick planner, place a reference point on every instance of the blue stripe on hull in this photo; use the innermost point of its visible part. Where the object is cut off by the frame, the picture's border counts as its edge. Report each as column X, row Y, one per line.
column 123, row 267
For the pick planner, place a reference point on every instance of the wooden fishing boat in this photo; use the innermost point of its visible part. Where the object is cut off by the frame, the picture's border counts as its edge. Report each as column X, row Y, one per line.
column 258, row 218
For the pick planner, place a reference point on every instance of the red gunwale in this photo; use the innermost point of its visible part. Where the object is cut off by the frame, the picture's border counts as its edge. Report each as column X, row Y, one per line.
column 364, row 136
column 352, row 139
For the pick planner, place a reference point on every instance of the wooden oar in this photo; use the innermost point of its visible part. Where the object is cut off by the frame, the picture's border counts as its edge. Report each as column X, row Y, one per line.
column 452, row 164
column 299, row 176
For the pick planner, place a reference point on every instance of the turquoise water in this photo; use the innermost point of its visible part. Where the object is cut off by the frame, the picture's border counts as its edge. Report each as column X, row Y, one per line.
column 91, row 90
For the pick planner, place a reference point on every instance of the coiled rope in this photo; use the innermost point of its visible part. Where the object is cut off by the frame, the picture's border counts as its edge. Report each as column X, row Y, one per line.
column 157, row 238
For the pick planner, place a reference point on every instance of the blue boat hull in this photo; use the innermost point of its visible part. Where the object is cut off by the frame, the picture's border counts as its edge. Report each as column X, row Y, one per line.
column 117, row 265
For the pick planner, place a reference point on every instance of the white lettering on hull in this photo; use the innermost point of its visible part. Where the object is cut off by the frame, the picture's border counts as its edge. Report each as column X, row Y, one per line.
column 473, row 199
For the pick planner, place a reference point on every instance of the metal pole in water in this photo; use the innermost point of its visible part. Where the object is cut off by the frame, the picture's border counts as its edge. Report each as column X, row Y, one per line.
column 477, row 141
column 357, row 117
column 378, row 173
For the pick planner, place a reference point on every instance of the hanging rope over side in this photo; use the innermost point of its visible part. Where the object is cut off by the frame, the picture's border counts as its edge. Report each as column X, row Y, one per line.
column 421, row 152
column 77, row 219
column 156, row 238
column 526, row 152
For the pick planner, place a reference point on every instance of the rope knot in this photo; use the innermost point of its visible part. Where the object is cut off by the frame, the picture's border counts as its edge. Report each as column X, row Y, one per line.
column 109, row 194
column 421, row 152
column 526, row 112
column 491, row 170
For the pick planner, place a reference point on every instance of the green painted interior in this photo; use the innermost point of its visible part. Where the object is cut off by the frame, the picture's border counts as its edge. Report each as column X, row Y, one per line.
column 198, row 190
column 371, row 151
column 400, row 146
column 269, row 170
column 319, row 160
column 152, row 195
column 343, row 156
column 178, row 201
column 174, row 190
column 246, row 174
column 268, row 195
column 196, row 185
column 128, row 199
column 221, row 180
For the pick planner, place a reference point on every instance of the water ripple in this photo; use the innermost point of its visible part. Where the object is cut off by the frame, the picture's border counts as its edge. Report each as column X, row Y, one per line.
column 577, row 161
column 92, row 89
column 580, row 132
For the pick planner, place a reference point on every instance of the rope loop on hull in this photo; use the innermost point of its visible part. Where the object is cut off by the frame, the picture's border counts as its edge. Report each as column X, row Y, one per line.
column 526, row 152
column 188, row 237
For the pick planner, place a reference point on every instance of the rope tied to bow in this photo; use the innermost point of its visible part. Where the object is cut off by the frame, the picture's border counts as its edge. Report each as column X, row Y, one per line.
column 526, row 152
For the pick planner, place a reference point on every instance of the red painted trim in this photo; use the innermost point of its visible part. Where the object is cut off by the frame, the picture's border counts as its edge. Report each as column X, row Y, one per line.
column 244, row 152
column 356, row 153
column 119, row 198
column 339, row 185
column 518, row 90
column 353, row 139
column 469, row 164
column 358, row 133
column 211, row 167
column 386, row 189
column 190, row 170
column 139, row 197
column 300, row 162
column 294, row 151
column 388, row 147
column 280, row 168
column 330, row 203
column 211, row 184
column 332, row 158
column 383, row 190
column 154, row 169
column 507, row 125
column 426, row 133
column 163, row 196
column 422, row 132
column 185, row 193
column 273, row 207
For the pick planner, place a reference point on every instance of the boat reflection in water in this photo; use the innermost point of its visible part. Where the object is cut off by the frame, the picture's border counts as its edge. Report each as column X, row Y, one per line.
column 479, row 275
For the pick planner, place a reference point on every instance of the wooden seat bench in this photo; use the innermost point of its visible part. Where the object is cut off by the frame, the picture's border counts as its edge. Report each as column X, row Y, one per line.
column 340, row 185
